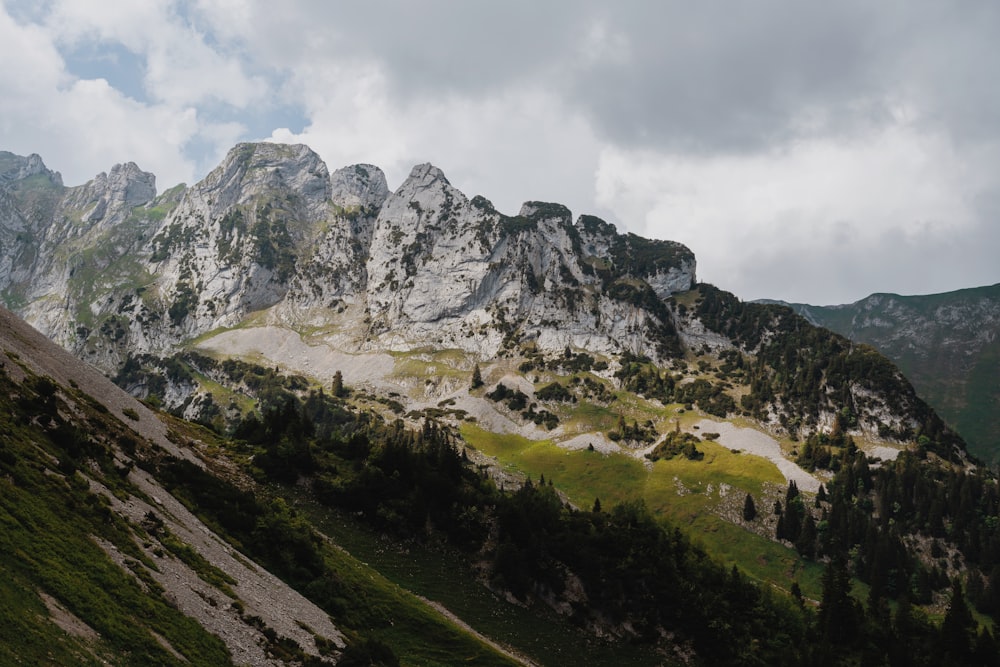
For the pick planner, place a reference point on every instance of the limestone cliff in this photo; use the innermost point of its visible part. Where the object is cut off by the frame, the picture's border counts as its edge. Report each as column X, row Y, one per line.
column 115, row 270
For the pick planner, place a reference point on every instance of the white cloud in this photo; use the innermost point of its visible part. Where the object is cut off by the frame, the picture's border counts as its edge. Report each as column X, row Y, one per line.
column 830, row 201
column 180, row 67
column 507, row 147
column 83, row 126
column 803, row 151
column 31, row 63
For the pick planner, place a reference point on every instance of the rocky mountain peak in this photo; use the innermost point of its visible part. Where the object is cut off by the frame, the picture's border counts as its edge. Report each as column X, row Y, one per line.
column 254, row 169
column 426, row 174
column 539, row 211
column 270, row 227
column 16, row 168
column 115, row 193
column 135, row 186
column 359, row 187
column 425, row 199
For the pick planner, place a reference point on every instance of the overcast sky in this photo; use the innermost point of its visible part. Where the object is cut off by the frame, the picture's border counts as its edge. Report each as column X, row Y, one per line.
column 806, row 151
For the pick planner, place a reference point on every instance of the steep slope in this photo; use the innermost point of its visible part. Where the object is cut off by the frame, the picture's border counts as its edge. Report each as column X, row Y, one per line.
column 64, row 448
column 104, row 561
column 948, row 346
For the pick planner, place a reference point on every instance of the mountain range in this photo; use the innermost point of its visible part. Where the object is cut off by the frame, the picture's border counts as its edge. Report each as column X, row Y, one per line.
column 948, row 345
column 108, row 268
column 619, row 455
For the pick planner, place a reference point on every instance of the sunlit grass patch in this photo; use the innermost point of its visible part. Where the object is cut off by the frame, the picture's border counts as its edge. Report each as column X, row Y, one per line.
column 680, row 491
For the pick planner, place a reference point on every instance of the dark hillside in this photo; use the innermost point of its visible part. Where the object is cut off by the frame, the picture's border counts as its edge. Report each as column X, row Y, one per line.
column 946, row 344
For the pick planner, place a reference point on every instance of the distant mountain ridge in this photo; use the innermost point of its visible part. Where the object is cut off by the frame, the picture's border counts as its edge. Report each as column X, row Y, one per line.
column 947, row 344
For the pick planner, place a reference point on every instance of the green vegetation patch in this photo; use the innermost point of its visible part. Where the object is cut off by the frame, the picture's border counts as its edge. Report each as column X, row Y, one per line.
column 47, row 518
column 674, row 490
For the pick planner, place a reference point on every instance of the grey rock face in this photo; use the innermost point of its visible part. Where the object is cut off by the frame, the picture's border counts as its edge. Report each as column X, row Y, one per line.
column 112, row 195
column 17, row 168
column 443, row 269
column 115, row 269
column 359, row 187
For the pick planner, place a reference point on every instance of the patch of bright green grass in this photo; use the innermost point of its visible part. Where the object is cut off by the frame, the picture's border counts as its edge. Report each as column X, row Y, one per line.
column 746, row 472
column 675, row 490
column 432, row 363
column 585, row 416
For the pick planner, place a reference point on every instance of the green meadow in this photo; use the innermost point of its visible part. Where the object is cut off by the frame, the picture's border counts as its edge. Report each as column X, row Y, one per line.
column 682, row 492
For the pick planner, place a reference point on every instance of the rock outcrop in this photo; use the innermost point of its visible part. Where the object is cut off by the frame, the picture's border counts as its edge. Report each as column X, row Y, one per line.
column 111, row 269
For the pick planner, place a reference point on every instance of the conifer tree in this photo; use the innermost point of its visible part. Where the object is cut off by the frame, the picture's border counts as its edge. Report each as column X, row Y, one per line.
column 477, row 377
column 805, row 544
column 749, row 509
column 838, row 613
column 958, row 626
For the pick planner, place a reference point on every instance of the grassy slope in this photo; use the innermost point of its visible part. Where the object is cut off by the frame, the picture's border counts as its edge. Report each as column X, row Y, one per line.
column 46, row 523
column 447, row 577
column 47, row 526
column 676, row 490
column 418, row 635
column 378, row 606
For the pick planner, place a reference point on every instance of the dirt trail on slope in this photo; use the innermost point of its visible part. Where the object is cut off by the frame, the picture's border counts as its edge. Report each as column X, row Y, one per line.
column 441, row 609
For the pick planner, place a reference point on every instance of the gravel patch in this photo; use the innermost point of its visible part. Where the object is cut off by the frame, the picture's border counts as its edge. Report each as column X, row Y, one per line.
column 286, row 347
column 599, row 441
column 66, row 620
column 749, row 441
column 883, row 452
column 260, row 592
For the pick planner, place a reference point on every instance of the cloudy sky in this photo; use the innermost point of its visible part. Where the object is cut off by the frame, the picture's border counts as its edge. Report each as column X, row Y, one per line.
column 806, row 151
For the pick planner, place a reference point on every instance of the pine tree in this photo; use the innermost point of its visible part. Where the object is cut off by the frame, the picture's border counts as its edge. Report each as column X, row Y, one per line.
column 975, row 587
column 477, row 377
column 338, row 385
column 749, row 509
column 796, row 592
column 958, row 626
column 838, row 612
column 805, row 544
column 597, row 506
